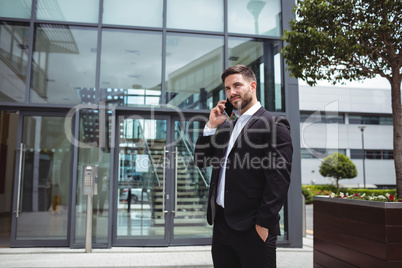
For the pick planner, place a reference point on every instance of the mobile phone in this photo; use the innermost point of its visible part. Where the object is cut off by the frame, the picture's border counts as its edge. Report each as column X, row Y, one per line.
column 229, row 108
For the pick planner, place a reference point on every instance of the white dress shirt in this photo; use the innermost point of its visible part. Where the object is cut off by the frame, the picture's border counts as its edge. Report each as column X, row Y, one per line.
column 241, row 122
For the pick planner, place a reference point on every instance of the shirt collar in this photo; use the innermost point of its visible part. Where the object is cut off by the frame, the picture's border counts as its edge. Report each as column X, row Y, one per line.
column 252, row 110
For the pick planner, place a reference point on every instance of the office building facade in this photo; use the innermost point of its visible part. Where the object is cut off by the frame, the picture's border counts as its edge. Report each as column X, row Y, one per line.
column 355, row 120
column 126, row 87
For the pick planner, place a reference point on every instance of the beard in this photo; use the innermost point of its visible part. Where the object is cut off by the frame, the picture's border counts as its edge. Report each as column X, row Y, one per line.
column 244, row 100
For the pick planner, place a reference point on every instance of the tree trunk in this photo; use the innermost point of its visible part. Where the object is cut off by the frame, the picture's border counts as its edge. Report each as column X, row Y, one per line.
column 397, row 118
column 337, row 185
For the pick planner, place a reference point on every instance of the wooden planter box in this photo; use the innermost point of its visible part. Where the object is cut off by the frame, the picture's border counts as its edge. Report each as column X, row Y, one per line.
column 357, row 233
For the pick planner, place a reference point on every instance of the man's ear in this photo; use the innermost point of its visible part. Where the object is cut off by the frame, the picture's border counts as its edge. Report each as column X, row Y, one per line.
column 253, row 85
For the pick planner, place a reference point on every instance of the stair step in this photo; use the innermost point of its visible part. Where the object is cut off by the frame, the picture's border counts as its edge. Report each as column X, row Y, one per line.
column 182, row 206
column 184, row 213
column 182, row 200
column 191, row 222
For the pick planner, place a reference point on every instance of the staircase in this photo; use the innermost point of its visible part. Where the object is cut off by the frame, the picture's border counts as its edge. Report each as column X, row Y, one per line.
column 192, row 192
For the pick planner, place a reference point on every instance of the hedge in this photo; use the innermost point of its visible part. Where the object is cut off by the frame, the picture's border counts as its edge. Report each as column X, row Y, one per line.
column 311, row 190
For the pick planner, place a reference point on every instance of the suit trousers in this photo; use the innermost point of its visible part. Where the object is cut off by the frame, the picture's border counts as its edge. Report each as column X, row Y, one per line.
column 242, row 249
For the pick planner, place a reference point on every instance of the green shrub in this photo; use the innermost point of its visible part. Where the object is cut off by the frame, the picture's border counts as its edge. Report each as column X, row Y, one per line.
column 369, row 191
column 307, row 195
column 319, row 189
column 339, row 167
column 326, row 188
column 309, row 191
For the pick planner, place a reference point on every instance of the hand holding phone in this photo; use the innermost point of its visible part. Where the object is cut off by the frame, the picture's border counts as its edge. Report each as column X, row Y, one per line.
column 228, row 108
column 220, row 113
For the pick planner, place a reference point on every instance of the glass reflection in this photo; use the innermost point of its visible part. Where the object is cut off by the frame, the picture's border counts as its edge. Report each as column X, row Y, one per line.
column 15, row 8
column 90, row 133
column 192, row 184
column 64, row 63
column 263, row 57
column 141, row 179
column 254, row 17
column 68, row 10
column 206, row 15
column 131, row 67
column 45, row 184
column 136, row 13
column 14, row 44
column 194, row 64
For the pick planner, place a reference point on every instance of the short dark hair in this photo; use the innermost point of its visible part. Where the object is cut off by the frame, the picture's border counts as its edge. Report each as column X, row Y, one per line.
column 244, row 70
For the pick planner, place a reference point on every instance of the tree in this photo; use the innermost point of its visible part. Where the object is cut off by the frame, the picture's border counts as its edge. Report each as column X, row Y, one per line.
column 338, row 40
column 338, row 166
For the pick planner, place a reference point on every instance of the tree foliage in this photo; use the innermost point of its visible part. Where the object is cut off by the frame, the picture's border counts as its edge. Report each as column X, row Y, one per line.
column 338, row 166
column 340, row 40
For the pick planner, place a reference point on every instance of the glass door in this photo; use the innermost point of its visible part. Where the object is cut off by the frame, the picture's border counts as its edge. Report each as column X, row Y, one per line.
column 160, row 195
column 42, row 184
column 142, row 184
column 191, row 187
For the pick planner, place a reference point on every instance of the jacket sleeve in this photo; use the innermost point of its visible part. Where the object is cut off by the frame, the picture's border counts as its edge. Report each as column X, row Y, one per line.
column 204, row 151
column 277, row 176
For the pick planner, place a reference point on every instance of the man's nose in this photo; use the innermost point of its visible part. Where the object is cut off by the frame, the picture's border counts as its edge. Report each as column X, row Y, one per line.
column 230, row 92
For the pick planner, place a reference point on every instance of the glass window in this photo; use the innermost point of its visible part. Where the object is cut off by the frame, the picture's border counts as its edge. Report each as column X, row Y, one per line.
column 193, row 68
column 14, row 44
column 355, row 119
column 131, row 68
column 356, row 154
column 319, row 152
column 15, row 8
column 205, row 15
column 64, row 64
column 263, row 57
column 322, row 117
column 311, row 117
column 373, row 154
column 254, row 17
column 370, row 120
column 339, row 151
column 95, row 135
column 136, row 13
column 386, row 120
column 305, row 154
column 68, row 10
column 388, row 154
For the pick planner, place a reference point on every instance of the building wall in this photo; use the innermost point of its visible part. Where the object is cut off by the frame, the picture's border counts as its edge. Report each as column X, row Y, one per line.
column 318, row 135
column 139, row 57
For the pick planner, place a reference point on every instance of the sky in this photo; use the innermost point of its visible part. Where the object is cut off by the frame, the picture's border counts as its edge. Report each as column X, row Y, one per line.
column 375, row 83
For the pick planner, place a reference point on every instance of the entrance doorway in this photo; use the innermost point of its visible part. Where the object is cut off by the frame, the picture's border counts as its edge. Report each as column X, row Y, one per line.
column 42, row 181
column 160, row 195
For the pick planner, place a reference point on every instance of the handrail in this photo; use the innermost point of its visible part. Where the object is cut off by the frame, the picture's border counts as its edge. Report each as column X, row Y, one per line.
column 190, row 153
column 150, row 156
column 21, row 149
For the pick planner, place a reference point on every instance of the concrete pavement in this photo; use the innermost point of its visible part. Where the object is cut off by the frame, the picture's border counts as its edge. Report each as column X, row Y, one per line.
column 193, row 256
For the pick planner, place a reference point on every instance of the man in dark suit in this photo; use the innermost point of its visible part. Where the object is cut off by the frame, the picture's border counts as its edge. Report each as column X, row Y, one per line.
column 251, row 158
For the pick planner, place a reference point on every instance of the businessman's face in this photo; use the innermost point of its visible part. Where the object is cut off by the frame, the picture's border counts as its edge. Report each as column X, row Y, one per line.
column 240, row 92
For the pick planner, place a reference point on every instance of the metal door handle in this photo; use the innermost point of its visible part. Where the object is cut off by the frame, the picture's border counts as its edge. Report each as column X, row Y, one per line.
column 21, row 149
column 164, row 181
column 176, row 161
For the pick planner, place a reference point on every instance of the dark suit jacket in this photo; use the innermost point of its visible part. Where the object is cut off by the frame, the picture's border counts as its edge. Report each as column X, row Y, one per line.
column 257, row 171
